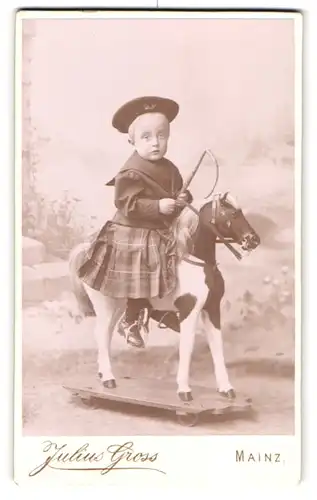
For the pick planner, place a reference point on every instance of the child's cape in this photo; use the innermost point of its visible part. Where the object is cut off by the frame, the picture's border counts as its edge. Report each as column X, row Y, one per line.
column 151, row 173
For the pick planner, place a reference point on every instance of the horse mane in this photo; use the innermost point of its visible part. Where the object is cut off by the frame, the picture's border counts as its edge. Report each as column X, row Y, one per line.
column 184, row 228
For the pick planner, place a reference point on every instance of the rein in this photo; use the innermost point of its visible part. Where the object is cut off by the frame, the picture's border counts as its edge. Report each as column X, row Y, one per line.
column 194, row 263
column 213, row 228
column 211, row 225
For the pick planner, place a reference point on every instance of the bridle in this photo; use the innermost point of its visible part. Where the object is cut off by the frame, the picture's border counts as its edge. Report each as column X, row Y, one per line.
column 215, row 205
column 211, row 225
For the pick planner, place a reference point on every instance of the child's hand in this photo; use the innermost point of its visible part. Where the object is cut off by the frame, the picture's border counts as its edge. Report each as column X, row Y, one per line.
column 167, row 206
column 183, row 197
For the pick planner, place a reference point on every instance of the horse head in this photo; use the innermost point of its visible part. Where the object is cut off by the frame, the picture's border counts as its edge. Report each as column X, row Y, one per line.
column 224, row 215
column 219, row 219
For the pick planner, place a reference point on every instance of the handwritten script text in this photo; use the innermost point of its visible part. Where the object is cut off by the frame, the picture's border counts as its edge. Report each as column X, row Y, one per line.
column 113, row 458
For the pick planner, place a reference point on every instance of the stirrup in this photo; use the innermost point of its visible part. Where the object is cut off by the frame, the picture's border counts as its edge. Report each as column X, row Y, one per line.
column 125, row 330
column 161, row 324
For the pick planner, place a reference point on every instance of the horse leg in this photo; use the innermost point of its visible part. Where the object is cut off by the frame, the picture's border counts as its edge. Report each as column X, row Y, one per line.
column 117, row 313
column 105, row 308
column 186, row 346
column 214, row 339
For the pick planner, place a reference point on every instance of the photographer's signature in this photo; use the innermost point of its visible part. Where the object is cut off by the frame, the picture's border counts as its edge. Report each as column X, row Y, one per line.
column 114, row 458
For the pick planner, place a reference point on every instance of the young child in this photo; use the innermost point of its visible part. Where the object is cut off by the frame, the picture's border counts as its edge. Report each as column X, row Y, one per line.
column 132, row 256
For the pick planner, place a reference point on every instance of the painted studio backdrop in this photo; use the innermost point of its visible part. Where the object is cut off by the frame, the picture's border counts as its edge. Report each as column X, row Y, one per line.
column 234, row 82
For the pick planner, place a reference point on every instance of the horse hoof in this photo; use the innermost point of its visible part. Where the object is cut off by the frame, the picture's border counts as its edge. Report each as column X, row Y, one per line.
column 109, row 384
column 185, row 396
column 231, row 394
column 99, row 374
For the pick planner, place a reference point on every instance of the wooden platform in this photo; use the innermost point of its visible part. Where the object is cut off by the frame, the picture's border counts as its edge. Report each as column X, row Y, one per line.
column 162, row 394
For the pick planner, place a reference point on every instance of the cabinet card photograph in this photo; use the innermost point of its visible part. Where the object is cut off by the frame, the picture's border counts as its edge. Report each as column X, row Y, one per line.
column 158, row 176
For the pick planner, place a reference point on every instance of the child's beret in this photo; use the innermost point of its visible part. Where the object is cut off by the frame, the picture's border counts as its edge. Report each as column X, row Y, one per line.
column 127, row 113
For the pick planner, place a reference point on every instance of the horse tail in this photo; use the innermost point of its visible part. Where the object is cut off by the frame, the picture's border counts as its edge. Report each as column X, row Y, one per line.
column 76, row 259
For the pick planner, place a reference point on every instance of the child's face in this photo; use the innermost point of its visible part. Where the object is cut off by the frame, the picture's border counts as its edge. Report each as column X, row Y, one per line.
column 149, row 134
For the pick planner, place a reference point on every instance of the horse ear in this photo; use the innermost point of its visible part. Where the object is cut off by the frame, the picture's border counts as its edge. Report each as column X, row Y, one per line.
column 230, row 199
column 224, row 196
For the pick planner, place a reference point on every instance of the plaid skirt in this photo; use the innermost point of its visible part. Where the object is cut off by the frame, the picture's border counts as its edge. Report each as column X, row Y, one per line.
column 129, row 262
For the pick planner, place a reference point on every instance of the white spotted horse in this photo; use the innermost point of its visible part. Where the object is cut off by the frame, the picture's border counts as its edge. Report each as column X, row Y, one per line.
column 197, row 298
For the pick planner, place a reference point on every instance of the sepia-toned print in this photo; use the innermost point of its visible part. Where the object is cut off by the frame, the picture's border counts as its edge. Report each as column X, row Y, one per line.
column 160, row 166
